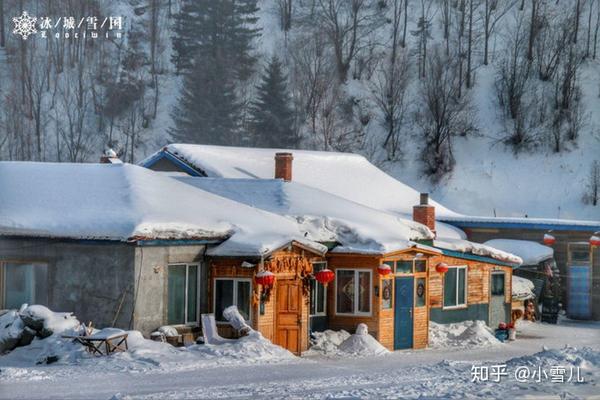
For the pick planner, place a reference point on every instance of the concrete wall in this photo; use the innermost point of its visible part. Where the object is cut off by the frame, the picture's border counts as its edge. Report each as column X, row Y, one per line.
column 151, row 271
column 105, row 281
column 94, row 280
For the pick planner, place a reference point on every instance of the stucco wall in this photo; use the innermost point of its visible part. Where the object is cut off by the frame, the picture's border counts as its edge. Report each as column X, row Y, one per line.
column 94, row 280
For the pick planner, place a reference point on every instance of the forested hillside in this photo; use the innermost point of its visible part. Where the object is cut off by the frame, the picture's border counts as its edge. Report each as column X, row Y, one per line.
column 491, row 105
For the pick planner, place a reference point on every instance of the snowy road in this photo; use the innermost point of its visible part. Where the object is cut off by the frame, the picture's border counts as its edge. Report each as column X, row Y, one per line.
column 408, row 374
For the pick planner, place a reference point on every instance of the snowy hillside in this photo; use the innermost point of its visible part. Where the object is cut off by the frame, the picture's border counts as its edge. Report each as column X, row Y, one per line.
column 402, row 82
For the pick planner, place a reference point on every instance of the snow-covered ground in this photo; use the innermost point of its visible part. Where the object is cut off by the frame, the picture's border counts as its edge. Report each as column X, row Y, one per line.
column 432, row 373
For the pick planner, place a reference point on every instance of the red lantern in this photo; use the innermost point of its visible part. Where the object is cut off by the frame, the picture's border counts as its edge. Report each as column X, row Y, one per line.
column 595, row 239
column 384, row 269
column 324, row 276
column 442, row 268
column 265, row 278
column 549, row 240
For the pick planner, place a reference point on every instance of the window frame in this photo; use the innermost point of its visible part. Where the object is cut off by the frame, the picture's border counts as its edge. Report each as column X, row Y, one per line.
column 4, row 263
column 466, row 303
column 235, row 296
column 186, row 322
column 498, row 273
column 324, row 288
column 356, row 272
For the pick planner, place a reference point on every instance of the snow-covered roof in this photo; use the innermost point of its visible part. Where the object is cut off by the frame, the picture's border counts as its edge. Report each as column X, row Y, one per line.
column 518, row 222
column 532, row 253
column 347, row 175
column 465, row 246
column 126, row 202
column 322, row 216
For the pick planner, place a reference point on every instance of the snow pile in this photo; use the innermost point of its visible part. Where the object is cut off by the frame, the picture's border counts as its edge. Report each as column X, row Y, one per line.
column 531, row 253
column 342, row 344
column 585, row 358
column 327, row 342
column 465, row 246
column 467, row 334
column 522, row 289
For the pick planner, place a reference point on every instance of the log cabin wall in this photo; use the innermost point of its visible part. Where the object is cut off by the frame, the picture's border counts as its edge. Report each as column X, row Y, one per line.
column 381, row 321
column 478, row 290
column 290, row 264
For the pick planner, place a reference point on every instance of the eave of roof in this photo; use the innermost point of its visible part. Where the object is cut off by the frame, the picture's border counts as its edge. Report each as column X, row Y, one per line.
column 474, row 257
column 522, row 223
column 179, row 162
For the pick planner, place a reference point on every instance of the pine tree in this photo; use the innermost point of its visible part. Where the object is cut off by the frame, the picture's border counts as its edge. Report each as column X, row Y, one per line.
column 271, row 114
column 207, row 112
column 217, row 36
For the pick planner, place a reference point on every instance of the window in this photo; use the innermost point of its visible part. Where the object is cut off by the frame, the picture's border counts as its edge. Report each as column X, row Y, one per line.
column 232, row 292
column 24, row 283
column 420, row 293
column 318, row 292
column 182, row 306
column 386, row 293
column 497, row 284
column 404, row 266
column 579, row 254
column 455, row 287
column 353, row 291
column 420, row 265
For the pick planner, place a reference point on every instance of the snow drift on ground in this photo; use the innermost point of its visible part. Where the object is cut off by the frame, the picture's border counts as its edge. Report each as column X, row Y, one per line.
column 531, row 253
column 463, row 335
column 143, row 354
column 342, row 344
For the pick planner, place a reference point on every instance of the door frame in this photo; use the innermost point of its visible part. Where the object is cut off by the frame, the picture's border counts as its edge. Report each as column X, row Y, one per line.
column 412, row 311
column 492, row 273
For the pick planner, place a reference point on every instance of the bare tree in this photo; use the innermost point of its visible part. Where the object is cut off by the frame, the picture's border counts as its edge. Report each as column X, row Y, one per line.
column 493, row 12
column 347, row 24
column 592, row 195
column 444, row 114
column 389, row 92
column 423, row 33
column 285, row 14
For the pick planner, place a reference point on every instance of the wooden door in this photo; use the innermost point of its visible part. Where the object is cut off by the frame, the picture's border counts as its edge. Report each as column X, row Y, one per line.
column 498, row 310
column 403, row 313
column 289, row 315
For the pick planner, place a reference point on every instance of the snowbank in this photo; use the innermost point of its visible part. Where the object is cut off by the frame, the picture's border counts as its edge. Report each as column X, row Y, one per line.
column 143, row 354
column 467, row 334
column 531, row 253
column 522, row 289
column 342, row 344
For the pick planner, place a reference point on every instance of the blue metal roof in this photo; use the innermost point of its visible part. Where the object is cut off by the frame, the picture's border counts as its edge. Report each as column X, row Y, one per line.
column 543, row 226
column 163, row 154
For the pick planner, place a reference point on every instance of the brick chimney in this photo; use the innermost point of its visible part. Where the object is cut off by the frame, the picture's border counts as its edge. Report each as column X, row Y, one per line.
column 283, row 166
column 425, row 213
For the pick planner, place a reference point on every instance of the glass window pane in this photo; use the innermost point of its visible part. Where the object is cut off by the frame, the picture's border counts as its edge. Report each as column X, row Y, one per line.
column 420, row 265
column 450, row 287
column 364, row 291
column 313, row 297
column 25, row 283
column 176, row 294
column 404, row 266
column 243, row 299
column 420, row 293
column 461, row 285
column 386, row 294
column 223, row 297
column 497, row 284
column 345, row 291
column 321, row 298
column 192, row 293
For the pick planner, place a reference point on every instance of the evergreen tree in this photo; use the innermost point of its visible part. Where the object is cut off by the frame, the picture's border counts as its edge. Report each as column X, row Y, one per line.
column 271, row 115
column 217, row 36
column 207, row 112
